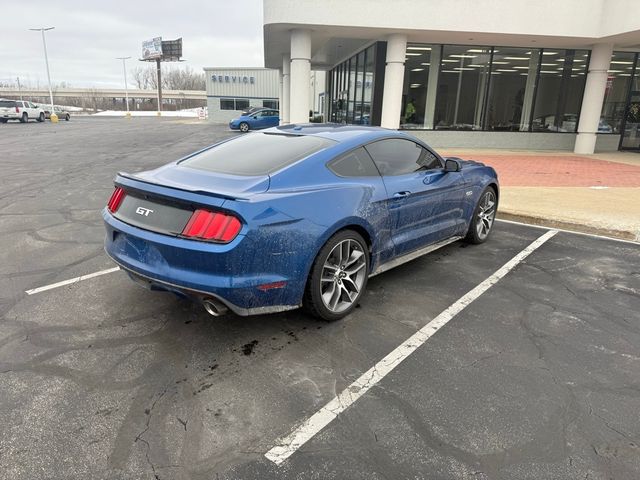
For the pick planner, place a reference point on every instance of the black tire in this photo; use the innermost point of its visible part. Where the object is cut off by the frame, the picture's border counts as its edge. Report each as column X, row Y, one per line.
column 313, row 301
column 40, row 117
column 3, row 120
column 66, row 117
column 24, row 118
column 475, row 234
column 244, row 127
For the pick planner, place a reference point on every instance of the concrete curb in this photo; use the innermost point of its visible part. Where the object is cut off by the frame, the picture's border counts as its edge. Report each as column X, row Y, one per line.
column 553, row 223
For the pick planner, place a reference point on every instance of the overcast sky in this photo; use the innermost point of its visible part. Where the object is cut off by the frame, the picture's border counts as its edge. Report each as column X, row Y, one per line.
column 89, row 35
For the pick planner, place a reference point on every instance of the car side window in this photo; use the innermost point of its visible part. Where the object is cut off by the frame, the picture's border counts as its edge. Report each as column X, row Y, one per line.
column 356, row 163
column 397, row 156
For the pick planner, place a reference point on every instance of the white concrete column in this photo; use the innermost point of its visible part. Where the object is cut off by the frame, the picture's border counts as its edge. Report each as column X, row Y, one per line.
column 393, row 78
column 280, row 93
column 594, row 91
column 300, row 75
column 286, row 90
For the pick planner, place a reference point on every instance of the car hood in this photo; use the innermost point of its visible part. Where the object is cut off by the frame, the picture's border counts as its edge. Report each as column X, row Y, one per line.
column 190, row 179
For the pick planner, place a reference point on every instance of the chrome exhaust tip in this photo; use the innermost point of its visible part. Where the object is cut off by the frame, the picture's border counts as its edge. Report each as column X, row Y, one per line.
column 214, row 307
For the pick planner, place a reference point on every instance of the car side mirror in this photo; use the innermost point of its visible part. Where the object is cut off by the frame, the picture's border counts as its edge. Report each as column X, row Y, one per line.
column 451, row 165
column 255, row 117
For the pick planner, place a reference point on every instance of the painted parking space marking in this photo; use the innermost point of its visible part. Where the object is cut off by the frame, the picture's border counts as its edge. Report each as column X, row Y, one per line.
column 289, row 444
column 564, row 230
column 71, row 280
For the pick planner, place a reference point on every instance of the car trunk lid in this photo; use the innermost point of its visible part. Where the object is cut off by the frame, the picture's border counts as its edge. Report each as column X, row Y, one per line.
column 215, row 184
column 165, row 199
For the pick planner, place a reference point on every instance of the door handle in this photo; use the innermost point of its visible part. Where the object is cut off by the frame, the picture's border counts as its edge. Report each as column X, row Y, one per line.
column 401, row 194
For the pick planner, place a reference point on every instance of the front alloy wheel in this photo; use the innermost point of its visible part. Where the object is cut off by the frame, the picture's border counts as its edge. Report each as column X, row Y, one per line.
column 338, row 277
column 483, row 217
column 244, row 127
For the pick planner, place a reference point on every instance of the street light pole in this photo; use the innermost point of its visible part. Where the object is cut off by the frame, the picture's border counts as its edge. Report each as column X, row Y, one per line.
column 53, row 116
column 126, row 89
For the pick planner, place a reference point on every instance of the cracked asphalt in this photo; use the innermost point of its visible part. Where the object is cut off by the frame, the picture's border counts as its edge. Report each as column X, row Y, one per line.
column 538, row 378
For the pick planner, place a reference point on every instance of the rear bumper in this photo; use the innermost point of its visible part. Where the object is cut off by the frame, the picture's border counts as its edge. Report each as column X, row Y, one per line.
column 11, row 116
column 199, row 269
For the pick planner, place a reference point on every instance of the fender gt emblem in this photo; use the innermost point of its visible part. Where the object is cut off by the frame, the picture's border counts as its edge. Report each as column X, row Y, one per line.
column 143, row 211
column 469, row 193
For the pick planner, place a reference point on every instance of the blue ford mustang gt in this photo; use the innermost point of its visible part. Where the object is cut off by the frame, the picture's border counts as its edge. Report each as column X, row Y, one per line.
column 255, row 120
column 294, row 215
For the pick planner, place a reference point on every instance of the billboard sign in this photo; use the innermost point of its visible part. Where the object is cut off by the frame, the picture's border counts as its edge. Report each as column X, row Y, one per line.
column 152, row 48
column 172, row 50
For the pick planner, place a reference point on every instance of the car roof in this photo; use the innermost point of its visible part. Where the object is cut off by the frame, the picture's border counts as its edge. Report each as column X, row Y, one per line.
column 336, row 132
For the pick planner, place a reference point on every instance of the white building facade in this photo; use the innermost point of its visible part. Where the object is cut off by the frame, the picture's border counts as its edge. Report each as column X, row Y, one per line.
column 232, row 90
column 470, row 73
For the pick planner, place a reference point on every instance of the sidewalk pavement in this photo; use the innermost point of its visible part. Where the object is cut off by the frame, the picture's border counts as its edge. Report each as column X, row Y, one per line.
column 595, row 194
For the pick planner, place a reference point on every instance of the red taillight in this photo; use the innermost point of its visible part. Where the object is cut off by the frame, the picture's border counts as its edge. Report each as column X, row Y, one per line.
column 216, row 226
column 116, row 199
column 17, row 109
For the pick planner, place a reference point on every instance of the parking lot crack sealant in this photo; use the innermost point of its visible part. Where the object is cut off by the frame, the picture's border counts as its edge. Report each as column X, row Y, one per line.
column 289, row 444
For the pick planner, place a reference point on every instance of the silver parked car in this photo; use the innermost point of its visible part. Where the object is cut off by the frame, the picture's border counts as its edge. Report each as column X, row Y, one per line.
column 61, row 112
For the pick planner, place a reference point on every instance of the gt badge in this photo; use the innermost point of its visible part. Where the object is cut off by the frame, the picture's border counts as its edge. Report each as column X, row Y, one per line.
column 143, row 211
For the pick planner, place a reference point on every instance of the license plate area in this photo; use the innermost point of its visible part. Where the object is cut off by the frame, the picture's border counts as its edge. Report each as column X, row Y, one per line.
column 153, row 215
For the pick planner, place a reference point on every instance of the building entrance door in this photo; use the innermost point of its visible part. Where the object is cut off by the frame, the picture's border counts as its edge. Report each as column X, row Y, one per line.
column 630, row 139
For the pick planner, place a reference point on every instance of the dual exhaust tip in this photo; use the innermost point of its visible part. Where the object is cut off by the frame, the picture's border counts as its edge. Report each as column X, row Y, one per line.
column 214, row 307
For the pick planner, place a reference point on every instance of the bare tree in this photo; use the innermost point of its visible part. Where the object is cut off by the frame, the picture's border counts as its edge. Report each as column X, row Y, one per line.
column 173, row 78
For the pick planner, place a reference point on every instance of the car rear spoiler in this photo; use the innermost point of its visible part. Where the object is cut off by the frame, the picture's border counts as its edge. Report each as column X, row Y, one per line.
column 184, row 188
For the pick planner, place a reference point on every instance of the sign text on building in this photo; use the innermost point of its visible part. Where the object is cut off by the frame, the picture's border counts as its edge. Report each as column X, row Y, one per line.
column 233, row 79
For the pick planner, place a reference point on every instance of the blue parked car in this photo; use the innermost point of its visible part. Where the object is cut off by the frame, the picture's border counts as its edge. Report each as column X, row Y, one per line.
column 294, row 215
column 255, row 120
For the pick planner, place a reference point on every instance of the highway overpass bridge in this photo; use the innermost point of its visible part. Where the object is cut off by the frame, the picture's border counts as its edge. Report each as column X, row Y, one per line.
column 28, row 93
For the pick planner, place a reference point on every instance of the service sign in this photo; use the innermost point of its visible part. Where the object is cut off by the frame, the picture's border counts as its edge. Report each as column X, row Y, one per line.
column 152, row 48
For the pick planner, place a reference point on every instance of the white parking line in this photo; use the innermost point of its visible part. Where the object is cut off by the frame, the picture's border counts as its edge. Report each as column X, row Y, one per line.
column 288, row 445
column 71, row 280
column 575, row 232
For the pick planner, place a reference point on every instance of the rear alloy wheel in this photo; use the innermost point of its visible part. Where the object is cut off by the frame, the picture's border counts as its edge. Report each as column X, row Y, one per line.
column 338, row 276
column 24, row 118
column 483, row 217
column 244, row 127
column 41, row 117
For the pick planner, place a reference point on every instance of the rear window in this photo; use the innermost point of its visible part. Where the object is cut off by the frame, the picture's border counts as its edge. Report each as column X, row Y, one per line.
column 7, row 103
column 257, row 153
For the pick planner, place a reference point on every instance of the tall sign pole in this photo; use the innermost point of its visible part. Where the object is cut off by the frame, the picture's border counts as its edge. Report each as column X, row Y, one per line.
column 159, row 72
column 126, row 88
column 161, row 51
column 53, row 116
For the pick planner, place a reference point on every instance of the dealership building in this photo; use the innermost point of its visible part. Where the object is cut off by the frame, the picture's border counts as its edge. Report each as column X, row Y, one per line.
column 232, row 90
column 465, row 73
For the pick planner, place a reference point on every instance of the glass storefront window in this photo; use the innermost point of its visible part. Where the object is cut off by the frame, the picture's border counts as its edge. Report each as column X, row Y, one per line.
column 416, row 85
column 512, row 87
column 615, row 96
column 631, row 128
column 367, row 94
column 357, row 107
column 462, row 87
column 560, row 89
column 351, row 88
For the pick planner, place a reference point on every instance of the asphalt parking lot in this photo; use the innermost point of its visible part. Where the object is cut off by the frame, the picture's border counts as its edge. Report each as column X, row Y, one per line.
column 537, row 378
